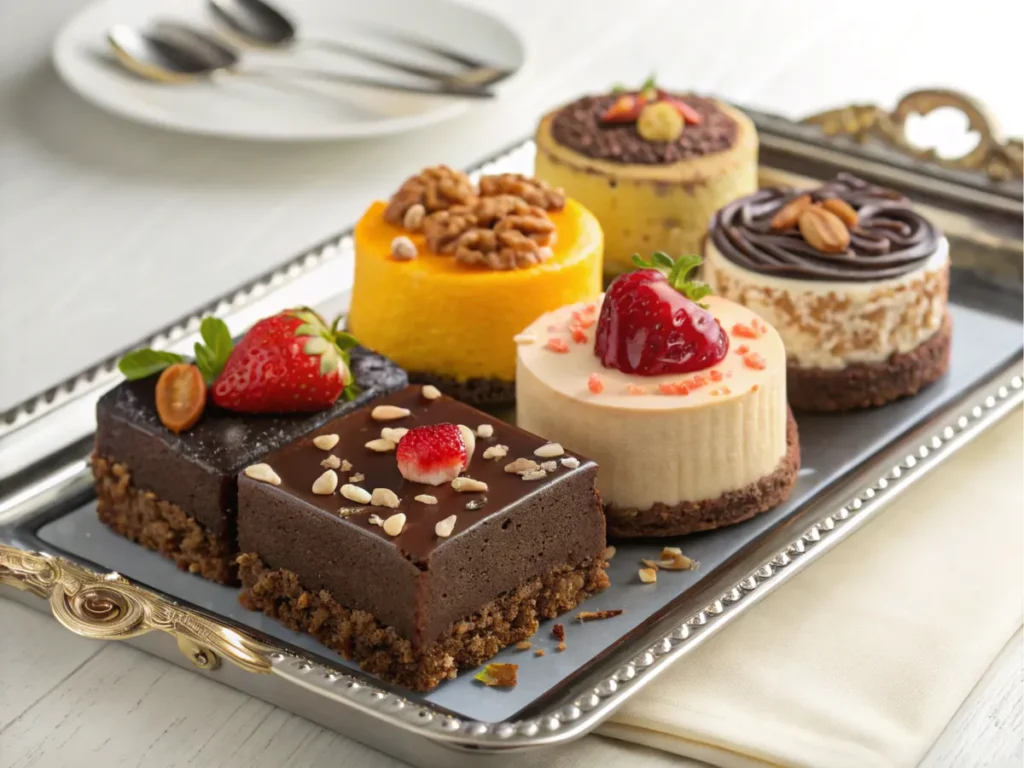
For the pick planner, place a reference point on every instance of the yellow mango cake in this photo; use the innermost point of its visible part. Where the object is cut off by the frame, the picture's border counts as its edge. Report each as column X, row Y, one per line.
column 448, row 271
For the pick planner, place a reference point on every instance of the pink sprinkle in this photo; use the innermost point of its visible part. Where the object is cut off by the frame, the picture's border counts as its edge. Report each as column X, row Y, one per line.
column 595, row 384
column 579, row 336
column 557, row 345
column 636, row 389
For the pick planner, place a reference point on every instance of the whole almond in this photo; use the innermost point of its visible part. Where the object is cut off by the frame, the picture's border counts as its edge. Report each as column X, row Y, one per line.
column 789, row 214
column 842, row 209
column 823, row 230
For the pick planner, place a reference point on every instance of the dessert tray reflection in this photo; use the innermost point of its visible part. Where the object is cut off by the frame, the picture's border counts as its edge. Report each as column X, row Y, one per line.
column 427, row 577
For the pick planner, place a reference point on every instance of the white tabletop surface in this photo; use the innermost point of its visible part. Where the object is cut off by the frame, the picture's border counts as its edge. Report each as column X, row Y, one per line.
column 109, row 230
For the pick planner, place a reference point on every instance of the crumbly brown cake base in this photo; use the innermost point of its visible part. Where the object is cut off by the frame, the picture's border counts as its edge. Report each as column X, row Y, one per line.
column 870, row 385
column 357, row 635
column 481, row 393
column 729, row 508
column 156, row 524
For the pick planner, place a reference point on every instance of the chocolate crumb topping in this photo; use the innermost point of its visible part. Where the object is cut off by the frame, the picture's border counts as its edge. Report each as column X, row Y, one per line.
column 579, row 127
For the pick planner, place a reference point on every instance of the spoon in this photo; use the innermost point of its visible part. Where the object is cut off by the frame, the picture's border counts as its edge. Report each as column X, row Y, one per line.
column 257, row 23
column 175, row 53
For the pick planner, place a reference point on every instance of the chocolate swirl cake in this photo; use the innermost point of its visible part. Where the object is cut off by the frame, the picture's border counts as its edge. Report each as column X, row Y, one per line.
column 890, row 238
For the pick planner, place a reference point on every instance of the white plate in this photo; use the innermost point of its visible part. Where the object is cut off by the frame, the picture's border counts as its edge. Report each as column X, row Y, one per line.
column 284, row 108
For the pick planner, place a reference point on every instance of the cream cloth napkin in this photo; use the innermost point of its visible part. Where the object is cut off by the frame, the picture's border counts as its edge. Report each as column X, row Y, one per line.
column 862, row 659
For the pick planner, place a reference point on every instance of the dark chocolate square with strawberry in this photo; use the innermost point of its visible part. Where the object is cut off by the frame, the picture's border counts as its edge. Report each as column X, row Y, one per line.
column 169, row 447
column 419, row 536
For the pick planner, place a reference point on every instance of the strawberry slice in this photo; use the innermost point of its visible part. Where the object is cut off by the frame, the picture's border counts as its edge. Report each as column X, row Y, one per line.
column 433, row 455
column 290, row 362
column 626, row 109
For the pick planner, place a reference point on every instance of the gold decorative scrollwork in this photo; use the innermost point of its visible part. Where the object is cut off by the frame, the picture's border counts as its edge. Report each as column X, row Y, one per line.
column 108, row 607
column 998, row 158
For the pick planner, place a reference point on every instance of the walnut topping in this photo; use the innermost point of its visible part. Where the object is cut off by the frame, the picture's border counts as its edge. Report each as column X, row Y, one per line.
column 264, row 473
column 507, row 249
column 326, row 484
column 356, row 477
column 558, row 631
column 443, row 229
column 533, row 191
column 523, row 645
column 521, row 465
column 346, row 465
column 436, row 189
column 331, row 462
column 648, row 575
column 384, row 497
column 444, row 528
column 496, row 452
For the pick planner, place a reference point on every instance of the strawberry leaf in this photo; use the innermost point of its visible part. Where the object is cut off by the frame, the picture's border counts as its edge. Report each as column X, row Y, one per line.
column 146, row 362
column 213, row 353
column 345, row 341
column 677, row 272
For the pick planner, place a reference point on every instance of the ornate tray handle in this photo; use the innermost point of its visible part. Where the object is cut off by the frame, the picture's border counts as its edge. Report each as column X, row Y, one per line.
column 107, row 607
column 1000, row 159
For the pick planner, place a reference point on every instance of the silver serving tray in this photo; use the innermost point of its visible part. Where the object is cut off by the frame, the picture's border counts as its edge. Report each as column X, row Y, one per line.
column 52, row 548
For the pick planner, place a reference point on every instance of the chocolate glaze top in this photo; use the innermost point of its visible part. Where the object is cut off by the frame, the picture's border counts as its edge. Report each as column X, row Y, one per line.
column 226, row 442
column 890, row 239
column 299, row 466
column 578, row 126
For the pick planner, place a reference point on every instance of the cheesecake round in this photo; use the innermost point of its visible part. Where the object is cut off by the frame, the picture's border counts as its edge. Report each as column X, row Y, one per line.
column 650, row 190
column 447, row 271
column 678, row 452
column 853, row 278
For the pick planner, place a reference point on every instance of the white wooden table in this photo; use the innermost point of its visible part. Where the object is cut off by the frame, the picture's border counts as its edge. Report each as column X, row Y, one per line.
column 108, row 230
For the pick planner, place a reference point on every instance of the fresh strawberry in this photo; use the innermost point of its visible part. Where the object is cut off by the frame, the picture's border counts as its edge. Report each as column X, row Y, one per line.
column 290, row 362
column 433, row 455
column 651, row 323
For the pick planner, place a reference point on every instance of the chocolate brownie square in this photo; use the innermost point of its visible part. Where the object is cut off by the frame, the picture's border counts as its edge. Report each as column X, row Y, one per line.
column 177, row 493
column 415, row 602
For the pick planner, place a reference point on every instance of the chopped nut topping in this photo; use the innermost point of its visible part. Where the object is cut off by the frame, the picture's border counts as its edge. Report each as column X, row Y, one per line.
column 468, row 485
column 667, row 552
column 648, row 575
column 425, row 498
column 394, row 524
column 583, row 616
column 380, row 445
column 263, row 473
column 435, row 188
column 608, row 553
column 403, row 249
column 326, row 484
column 560, row 647
column 549, row 451
column 430, row 392
column 355, row 493
column 533, row 191
column 356, row 477
column 443, row 229
column 496, row 452
column 570, row 462
column 523, row 645
column 384, row 497
column 549, row 466
column 521, row 465
column 539, row 652
column 326, row 442
column 331, row 462
column 525, row 338
column 534, row 474
column 375, row 520
column 498, row 675
column 445, row 527
column 394, row 434
column 478, row 503
column 505, row 247
column 672, row 562
column 346, row 465
column 558, row 631
column 469, row 439
column 414, row 216
column 485, row 431
column 388, row 413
